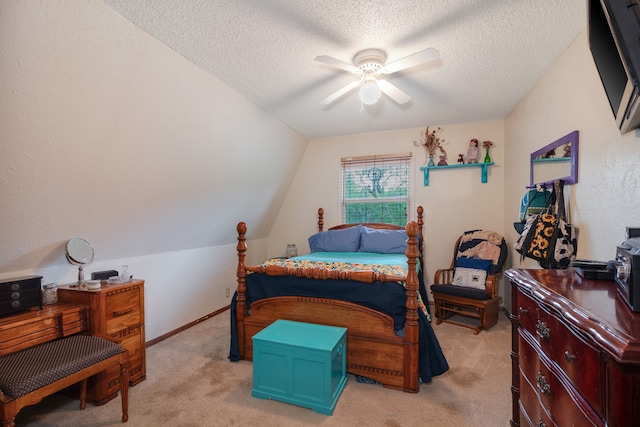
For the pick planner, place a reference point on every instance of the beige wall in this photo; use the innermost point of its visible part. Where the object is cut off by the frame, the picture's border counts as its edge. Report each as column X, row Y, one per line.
column 454, row 201
column 570, row 97
column 109, row 135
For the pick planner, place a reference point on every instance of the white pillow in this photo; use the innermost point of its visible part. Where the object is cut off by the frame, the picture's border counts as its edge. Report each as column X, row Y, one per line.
column 470, row 277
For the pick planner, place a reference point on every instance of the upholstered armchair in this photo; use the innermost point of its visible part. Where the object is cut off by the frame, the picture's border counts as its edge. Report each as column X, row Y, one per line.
column 469, row 287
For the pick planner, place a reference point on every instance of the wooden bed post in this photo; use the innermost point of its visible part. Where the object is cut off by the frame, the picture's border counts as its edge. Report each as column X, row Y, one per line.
column 320, row 219
column 411, row 327
column 420, row 234
column 241, row 273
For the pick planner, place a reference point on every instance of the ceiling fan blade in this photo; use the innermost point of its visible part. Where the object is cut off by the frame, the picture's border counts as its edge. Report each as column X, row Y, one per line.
column 411, row 61
column 348, row 88
column 393, row 92
column 336, row 63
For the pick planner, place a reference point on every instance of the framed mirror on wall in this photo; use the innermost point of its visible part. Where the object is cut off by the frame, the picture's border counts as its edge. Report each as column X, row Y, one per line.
column 558, row 160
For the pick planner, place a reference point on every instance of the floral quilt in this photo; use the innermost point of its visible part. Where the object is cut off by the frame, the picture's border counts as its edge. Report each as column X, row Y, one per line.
column 303, row 263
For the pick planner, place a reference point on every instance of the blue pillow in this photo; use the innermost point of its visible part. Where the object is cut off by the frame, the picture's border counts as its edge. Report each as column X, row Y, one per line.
column 343, row 240
column 383, row 241
column 482, row 264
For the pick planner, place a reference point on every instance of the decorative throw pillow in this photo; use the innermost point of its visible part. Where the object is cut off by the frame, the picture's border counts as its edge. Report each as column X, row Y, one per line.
column 343, row 240
column 383, row 241
column 471, row 272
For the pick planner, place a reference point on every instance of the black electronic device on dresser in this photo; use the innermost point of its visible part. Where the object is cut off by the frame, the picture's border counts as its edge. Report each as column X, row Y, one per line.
column 628, row 268
column 614, row 40
column 20, row 293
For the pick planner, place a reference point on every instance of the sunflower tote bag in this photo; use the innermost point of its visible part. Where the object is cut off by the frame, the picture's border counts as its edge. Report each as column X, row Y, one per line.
column 548, row 237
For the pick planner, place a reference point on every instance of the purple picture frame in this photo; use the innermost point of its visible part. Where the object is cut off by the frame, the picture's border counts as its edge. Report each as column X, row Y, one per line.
column 571, row 138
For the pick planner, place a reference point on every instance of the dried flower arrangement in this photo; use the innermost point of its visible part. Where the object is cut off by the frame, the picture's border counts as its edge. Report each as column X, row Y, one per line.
column 486, row 144
column 430, row 141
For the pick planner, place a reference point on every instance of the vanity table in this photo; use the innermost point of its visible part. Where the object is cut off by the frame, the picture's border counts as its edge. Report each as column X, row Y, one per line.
column 575, row 351
column 36, row 326
column 115, row 310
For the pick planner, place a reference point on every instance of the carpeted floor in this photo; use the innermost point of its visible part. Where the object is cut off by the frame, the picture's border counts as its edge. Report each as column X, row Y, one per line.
column 190, row 382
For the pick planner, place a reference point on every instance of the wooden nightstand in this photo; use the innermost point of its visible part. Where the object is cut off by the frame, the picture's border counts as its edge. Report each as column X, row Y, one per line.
column 115, row 310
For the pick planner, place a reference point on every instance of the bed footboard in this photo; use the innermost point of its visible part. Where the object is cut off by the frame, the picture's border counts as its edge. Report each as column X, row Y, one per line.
column 373, row 349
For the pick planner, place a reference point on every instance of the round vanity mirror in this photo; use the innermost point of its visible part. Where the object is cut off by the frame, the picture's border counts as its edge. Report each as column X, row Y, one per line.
column 79, row 253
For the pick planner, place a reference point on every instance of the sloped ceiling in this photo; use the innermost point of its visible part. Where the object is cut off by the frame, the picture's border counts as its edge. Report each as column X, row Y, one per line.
column 491, row 53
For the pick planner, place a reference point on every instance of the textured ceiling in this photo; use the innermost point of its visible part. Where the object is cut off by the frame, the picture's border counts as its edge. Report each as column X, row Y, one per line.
column 491, row 53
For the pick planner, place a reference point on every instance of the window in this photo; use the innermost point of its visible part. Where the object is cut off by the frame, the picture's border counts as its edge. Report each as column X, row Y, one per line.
column 376, row 188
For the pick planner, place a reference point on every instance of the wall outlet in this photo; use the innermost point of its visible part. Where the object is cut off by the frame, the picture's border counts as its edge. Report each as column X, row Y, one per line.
column 227, row 292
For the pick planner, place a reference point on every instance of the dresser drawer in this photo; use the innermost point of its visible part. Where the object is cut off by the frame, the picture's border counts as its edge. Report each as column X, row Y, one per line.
column 134, row 345
column 122, row 310
column 528, row 311
column 578, row 360
column 562, row 402
column 554, row 393
column 532, row 412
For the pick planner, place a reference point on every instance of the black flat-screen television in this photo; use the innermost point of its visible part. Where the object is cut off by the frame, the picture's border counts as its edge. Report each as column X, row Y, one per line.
column 614, row 40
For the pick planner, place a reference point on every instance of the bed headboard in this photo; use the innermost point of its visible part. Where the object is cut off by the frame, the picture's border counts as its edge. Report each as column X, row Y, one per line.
column 379, row 225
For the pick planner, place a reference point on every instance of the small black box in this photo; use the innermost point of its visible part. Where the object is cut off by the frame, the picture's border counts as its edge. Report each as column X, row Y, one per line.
column 103, row 275
column 20, row 294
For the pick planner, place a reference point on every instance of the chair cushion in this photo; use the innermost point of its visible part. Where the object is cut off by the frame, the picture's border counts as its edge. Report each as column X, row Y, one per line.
column 460, row 291
column 30, row 369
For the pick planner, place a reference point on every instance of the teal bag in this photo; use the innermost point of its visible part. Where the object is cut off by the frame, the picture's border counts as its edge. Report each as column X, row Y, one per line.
column 534, row 202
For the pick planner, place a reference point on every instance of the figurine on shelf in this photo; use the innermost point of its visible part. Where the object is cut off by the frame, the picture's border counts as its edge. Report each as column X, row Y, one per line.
column 460, row 159
column 549, row 154
column 472, row 152
column 443, row 157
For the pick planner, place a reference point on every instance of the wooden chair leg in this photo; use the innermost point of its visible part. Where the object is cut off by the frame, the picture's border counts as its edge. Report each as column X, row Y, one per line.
column 83, row 394
column 124, row 391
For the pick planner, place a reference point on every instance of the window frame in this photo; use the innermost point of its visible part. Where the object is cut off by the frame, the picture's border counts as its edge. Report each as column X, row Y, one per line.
column 404, row 160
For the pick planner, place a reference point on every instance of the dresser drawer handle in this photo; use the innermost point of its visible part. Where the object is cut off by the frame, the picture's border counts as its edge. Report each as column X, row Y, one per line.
column 523, row 310
column 569, row 357
column 541, row 424
column 543, row 386
column 15, row 295
column 123, row 312
column 542, row 330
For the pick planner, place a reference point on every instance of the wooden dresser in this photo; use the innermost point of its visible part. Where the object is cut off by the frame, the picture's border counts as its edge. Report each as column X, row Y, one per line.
column 115, row 310
column 575, row 351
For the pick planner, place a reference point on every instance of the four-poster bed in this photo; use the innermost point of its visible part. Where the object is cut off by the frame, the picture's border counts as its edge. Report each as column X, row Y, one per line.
column 389, row 337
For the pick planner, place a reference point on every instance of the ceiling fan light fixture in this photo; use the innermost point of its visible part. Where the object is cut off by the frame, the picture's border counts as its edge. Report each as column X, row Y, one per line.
column 370, row 92
column 370, row 64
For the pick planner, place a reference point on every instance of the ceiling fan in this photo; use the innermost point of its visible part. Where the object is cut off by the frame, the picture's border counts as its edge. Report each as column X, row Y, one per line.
column 369, row 64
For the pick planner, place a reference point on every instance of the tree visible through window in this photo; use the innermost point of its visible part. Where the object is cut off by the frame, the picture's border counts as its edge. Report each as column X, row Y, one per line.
column 376, row 188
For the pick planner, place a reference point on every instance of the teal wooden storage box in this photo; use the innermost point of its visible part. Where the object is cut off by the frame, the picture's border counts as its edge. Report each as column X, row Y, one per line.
column 300, row 363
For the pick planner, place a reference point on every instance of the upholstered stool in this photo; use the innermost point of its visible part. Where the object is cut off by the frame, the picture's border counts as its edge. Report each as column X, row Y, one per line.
column 29, row 375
